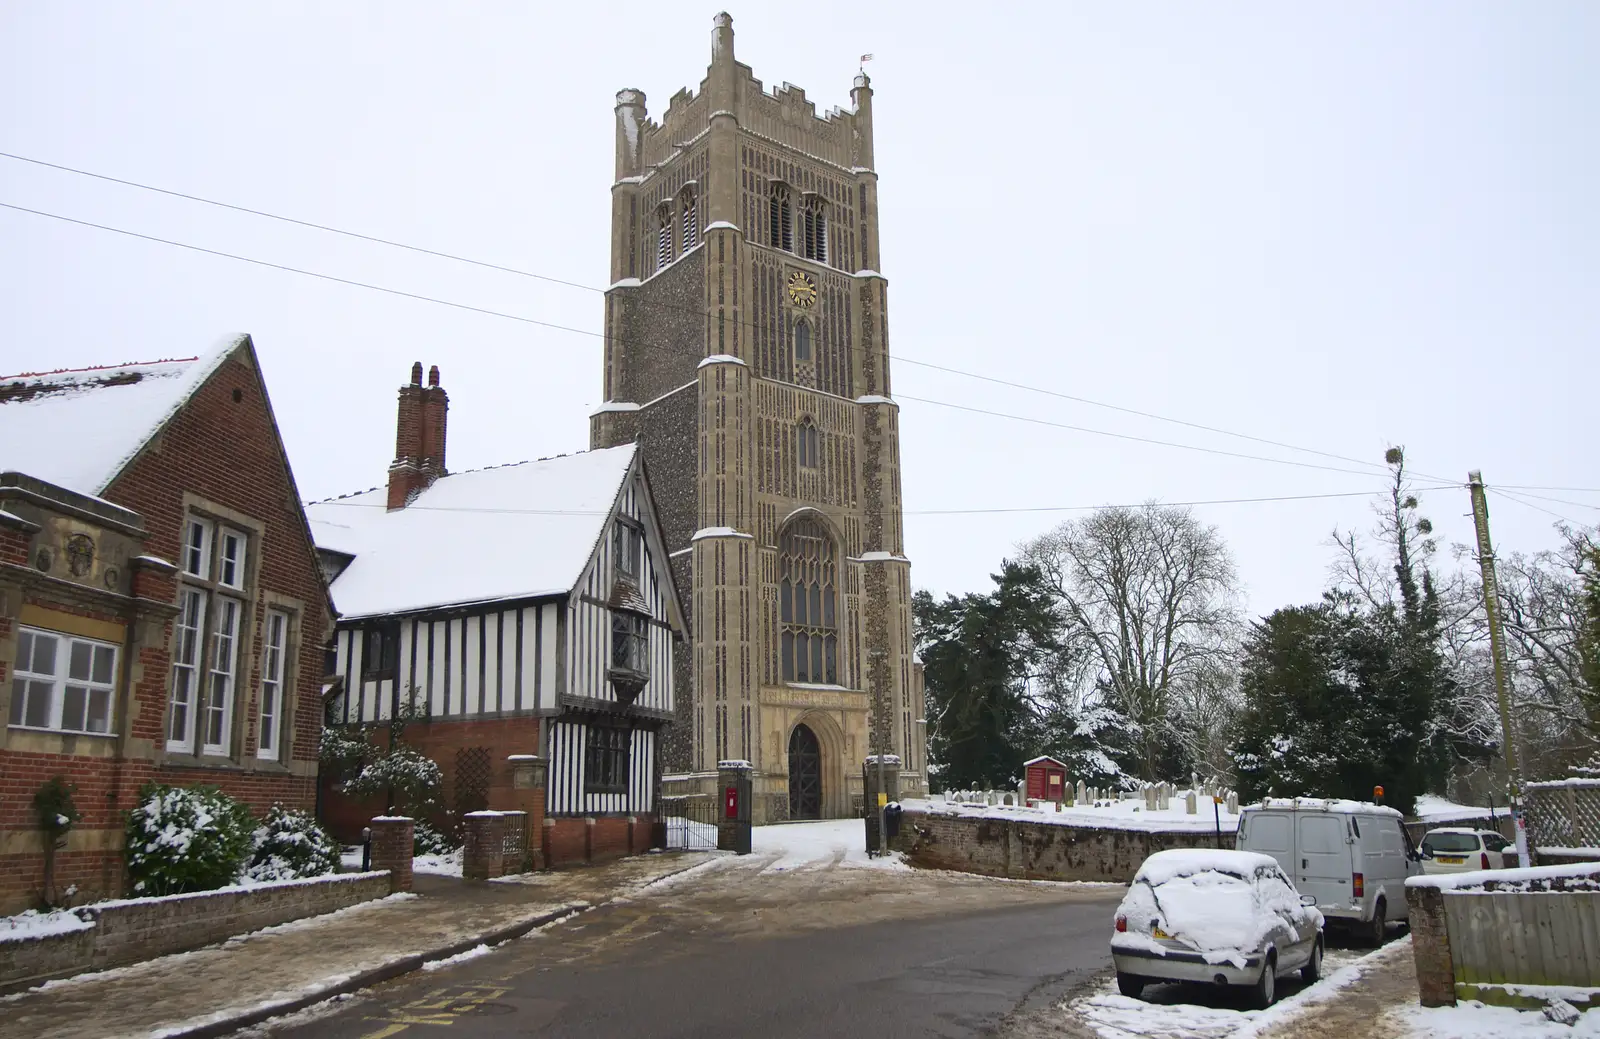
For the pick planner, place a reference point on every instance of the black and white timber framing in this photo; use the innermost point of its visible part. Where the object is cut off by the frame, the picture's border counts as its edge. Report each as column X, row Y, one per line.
column 550, row 656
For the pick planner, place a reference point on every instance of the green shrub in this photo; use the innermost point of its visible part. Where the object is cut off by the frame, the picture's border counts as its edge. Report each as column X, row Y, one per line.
column 182, row 839
column 425, row 840
column 290, row 845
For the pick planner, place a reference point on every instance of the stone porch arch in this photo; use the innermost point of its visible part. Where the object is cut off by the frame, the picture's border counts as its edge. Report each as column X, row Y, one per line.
column 831, row 741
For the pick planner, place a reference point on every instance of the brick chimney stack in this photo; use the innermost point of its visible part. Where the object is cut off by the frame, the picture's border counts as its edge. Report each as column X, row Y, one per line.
column 418, row 439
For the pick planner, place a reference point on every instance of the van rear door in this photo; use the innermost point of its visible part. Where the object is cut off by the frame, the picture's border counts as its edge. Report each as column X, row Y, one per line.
column 1271, row 833
column 1322, row 864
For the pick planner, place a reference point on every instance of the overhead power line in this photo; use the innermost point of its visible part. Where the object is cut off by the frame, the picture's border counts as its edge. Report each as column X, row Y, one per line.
column 666, row 304
column 600, row 335
column 908, row 512
column 1530, row 505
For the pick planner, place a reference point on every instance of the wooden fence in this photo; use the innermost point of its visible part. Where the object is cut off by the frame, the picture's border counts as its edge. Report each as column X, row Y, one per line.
column 1524, row 937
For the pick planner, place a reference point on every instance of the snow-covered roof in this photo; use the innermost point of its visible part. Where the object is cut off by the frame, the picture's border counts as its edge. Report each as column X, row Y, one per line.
column 1041, row 759
column 508, row 532
column 1317, row 804
column 1184, row 862
column 1432, row 808
column 78, row 428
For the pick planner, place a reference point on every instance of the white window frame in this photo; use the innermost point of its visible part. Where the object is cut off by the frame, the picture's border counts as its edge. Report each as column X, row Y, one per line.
column 240, row 542
column 274, row 675
column 25, row 681
column 188, row 656
column 207, row 531
column 222, row 664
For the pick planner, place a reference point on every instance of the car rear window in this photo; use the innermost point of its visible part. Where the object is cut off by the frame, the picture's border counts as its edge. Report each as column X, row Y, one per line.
column 1449, row 843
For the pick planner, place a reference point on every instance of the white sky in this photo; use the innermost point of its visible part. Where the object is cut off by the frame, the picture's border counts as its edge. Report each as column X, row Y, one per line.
column 1339, row 225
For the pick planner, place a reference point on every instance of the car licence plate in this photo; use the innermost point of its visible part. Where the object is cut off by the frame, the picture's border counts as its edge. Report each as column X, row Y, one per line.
column 1452, row 860
column 1159, row 933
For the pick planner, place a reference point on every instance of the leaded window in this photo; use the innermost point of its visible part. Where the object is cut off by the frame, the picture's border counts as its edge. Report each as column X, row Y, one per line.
column 606, row 754
column 630, row 642
column 806, row 604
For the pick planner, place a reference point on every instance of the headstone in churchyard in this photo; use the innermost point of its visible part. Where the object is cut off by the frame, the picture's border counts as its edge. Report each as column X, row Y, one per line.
column 1083, row 794
column 1190, row 806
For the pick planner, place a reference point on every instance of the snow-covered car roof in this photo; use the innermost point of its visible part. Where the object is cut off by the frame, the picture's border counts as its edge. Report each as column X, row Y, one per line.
column 1186, row 862
column 1459, row 829
column 1337, row 806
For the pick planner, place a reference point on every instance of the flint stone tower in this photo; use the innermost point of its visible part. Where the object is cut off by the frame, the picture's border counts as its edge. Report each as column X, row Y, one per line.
column 747, row 352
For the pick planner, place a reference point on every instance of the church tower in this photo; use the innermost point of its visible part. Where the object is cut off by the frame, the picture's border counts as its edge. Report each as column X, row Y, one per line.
column 747, row 352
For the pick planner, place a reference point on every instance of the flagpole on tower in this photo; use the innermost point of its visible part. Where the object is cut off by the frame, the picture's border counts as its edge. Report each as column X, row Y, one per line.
column 864, row 59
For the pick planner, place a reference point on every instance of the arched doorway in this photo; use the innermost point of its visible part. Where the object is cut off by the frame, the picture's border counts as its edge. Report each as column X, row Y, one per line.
column 805, row 774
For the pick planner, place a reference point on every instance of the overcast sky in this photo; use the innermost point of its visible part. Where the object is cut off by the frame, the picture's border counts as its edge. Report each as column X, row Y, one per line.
column 1338, row 226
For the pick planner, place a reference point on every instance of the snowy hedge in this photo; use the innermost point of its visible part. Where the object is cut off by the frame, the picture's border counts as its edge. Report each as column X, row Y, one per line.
column 182, row 839
column 290, row 845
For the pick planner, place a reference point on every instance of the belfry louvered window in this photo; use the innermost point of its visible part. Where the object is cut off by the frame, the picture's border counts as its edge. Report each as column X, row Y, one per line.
column 691, row 220
column 806, row 612
column 814, row 217
column 663, row 238
column 781, row 215
column 806, row 443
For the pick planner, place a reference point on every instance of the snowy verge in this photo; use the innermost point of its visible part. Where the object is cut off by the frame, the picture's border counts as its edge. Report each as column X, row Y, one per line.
column 1477, row 1021
column 461, row 957
column 1115, row 1016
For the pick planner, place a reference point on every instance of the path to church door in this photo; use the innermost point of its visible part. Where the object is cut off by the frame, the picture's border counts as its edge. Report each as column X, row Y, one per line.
column 805, row 774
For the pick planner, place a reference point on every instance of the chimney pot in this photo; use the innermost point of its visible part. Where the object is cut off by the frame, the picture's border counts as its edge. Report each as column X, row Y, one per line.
column 433, row 375
column 416, row 373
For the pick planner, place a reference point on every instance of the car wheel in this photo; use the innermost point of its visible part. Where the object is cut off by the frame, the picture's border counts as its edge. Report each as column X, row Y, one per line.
column 1266, row 990
column 1375, row 930
column 1130, row 985
column 1313, row 968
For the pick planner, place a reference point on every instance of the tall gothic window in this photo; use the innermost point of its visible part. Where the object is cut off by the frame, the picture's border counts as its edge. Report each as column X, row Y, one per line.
column 806, row 609
column 782, row 218
column 689, row 205
column 814, row 235
column 806, row 443
column 663, row 237
column 802, row 341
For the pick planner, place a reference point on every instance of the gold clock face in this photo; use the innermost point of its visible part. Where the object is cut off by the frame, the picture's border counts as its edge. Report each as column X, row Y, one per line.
column 802, row 290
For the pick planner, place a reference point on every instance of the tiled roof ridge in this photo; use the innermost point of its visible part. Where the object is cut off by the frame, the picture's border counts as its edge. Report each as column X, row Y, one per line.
column 463, row 472
column 97, row 368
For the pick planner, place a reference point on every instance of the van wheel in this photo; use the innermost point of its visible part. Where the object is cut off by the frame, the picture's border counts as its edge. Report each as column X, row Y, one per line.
column 1375, row 930
column 1266, row 990
column 1130, row 985
column 1312, row 971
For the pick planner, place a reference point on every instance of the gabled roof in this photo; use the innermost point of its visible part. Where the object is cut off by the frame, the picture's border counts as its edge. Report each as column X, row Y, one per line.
column 1041, row 759
column 78, row 428
column 514, row 531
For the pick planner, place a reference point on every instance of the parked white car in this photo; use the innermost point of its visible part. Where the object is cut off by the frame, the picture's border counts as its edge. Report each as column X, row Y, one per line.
column 1351, row 856
column 1451, row 849
column 1215, row 917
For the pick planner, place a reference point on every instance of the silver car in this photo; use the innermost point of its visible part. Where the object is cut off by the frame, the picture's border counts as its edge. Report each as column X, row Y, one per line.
column 1215, row 917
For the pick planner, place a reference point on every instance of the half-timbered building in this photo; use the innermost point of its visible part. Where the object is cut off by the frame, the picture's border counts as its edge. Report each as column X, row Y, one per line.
column 518, row 610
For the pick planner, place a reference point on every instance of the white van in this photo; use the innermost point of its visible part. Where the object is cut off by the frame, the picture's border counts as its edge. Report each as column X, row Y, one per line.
column 1351, row 856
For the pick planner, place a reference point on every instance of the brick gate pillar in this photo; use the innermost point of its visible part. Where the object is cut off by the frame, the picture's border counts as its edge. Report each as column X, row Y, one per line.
column 483, row 856
column 392, row 837
column 528, row 772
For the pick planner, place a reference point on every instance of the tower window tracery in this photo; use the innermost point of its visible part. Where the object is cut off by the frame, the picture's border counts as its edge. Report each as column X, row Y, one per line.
column 664, row 254
column 806, row 443
column 690, row 208
column 802, row 340
column 806, row 611
column 814, row 220
column 781, row 213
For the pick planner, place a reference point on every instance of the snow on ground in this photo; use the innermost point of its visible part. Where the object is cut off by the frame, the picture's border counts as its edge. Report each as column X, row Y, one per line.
column 1162, row 1014
column 34, row 924
column 835, row 842
column 1123, row 814
column 461, row 957
column 1477, row 1021
column 446, row 865
column 1433, row 809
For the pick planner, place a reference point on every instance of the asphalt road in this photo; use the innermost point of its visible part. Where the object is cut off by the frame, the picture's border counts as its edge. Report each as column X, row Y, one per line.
column 749, row 952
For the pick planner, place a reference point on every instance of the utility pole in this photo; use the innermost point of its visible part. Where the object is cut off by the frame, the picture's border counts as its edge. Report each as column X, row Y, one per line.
column 1497, row 650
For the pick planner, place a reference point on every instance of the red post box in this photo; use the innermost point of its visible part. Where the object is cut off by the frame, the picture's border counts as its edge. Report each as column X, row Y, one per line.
column 730, row 802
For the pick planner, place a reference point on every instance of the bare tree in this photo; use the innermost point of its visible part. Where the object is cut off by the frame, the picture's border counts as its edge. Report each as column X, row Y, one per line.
column 1152, row 595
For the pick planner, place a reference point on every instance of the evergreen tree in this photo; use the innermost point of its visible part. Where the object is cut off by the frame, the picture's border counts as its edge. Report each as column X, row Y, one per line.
column 981, row 654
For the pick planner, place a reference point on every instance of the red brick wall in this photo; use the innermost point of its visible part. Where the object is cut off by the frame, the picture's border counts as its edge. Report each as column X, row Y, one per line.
column 441, row 741
column 229, row 452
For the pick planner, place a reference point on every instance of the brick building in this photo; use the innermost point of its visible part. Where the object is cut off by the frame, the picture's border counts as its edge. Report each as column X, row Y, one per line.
column 527, row 612
column 747, row 354
column 162, row 615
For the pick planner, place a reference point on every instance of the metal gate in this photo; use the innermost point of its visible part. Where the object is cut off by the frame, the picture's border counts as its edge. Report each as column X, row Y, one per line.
column 691, row 821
